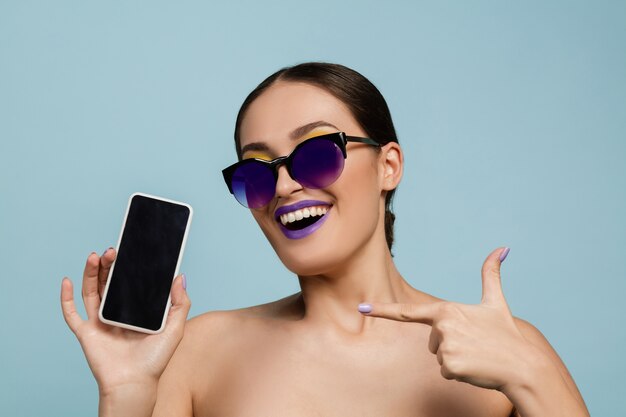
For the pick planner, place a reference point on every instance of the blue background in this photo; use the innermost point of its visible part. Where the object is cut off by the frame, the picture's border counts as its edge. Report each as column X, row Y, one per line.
column 512, row 116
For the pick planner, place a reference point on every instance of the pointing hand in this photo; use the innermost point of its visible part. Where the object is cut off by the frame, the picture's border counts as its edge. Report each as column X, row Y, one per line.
column 479, row 344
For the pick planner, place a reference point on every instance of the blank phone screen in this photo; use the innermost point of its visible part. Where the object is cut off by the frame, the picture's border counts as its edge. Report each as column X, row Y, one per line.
column 146, row 262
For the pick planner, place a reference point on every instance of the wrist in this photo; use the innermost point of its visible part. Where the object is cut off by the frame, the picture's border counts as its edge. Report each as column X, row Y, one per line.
column 532, row 367
column 129, row 399
column 115, row 390
column 538, row 389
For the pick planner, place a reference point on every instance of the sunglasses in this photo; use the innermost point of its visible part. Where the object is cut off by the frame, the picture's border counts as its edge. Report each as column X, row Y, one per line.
column 315, row 163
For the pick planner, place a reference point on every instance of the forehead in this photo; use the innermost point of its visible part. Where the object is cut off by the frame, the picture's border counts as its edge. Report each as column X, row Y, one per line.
column 285, row 106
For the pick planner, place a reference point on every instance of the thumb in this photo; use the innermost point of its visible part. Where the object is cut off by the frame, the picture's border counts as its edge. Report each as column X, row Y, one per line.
column 180, row 303
column 492, row 284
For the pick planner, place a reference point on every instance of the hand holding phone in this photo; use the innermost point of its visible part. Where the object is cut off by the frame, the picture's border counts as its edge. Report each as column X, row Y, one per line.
column 120, row 357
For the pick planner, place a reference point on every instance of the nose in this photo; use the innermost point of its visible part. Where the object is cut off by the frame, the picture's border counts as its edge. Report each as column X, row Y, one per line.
column 285, row 185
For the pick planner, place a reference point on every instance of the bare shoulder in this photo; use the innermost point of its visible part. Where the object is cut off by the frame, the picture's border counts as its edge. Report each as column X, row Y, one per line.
column 210, row 345
column 214, row 329
column 286, row 308
column 537, row 339
column 532, row 334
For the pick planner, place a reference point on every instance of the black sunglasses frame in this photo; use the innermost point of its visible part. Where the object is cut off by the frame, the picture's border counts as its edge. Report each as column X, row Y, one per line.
column 339, row 138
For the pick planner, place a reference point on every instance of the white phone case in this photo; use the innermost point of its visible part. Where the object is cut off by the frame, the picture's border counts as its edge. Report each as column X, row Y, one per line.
column 180, row 257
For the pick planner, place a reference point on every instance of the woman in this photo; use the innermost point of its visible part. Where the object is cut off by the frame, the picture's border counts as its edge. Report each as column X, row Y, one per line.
column 342, row 346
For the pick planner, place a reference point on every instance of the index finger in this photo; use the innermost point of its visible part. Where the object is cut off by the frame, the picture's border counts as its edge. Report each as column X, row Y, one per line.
column 416, row 313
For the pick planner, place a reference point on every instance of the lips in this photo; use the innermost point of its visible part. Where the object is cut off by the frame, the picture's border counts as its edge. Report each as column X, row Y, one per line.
column 288, row 212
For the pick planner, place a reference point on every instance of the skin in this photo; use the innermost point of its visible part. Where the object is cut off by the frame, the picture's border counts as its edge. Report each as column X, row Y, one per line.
column 313, row 353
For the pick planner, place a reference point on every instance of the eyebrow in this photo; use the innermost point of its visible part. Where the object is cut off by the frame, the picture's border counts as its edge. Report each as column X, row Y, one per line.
column 295, row 134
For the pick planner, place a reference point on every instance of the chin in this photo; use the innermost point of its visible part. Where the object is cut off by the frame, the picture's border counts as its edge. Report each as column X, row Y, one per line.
column 318, row 254
column 310, row 264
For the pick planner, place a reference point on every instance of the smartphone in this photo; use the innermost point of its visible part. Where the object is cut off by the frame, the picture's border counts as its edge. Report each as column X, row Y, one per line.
column 149, row 252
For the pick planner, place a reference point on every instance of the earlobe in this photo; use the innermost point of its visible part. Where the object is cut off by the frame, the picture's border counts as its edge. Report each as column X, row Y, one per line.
column 393, row 163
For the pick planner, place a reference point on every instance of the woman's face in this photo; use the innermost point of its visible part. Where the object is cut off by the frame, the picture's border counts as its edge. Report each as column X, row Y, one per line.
column 286, row 114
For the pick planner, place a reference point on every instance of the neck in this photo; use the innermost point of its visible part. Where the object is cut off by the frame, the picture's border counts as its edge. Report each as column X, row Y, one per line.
column 332, row 299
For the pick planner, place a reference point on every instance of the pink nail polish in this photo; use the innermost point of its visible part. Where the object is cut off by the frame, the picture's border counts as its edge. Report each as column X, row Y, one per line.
column 504, row 254
column 184, row 281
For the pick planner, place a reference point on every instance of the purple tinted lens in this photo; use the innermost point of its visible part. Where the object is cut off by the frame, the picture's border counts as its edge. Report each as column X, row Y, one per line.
column 253, row 185
column 317, row 164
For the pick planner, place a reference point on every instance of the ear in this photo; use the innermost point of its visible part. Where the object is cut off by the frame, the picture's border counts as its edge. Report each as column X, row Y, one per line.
column 391, row 163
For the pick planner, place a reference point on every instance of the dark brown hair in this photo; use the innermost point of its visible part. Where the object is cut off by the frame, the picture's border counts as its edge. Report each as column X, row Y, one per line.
column 362, row 98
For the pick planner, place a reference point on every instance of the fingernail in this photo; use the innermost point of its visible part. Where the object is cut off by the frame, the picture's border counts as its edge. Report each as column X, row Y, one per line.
column 504, row 253
column 184, row 281
column 105, row 251
column 365, row 308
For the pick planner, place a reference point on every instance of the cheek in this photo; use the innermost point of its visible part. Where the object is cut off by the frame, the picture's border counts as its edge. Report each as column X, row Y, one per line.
column 262, row 219
column 358, row 194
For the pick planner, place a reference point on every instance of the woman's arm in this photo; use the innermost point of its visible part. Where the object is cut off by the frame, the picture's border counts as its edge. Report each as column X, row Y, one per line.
column 548, row 380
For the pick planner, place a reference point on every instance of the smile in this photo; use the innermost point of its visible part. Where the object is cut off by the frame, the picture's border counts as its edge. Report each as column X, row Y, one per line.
column 305, row 213
column 299, row 220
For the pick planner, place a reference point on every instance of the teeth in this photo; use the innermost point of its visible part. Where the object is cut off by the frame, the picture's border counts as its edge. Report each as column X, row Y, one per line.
column 300, row 214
